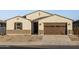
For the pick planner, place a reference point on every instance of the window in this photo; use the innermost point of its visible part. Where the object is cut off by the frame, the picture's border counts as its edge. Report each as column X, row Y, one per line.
column 2, row 24
column 18, row 26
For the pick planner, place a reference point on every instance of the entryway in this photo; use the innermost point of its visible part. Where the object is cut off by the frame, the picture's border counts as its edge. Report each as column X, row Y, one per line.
column 34, row 27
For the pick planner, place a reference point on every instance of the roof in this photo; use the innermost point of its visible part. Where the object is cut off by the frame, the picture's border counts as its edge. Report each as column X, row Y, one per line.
column 49, row 14
column 15, row 17
column 63, row 17
column 1, row 21
column 38, row 11
column 77, row 21
column 39, row 18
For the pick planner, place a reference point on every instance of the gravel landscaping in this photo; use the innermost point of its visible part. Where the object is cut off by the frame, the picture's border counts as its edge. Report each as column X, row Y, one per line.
column 37, row 40
column 20, row 38
column 74, row 37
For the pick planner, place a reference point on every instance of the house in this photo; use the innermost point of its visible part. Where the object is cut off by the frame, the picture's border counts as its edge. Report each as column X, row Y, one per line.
column 39, row 23
column 18, row 25
column 45, row 23
column 76, row 27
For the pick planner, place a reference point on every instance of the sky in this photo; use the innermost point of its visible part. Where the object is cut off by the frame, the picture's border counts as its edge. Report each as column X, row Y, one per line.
column 6, row 14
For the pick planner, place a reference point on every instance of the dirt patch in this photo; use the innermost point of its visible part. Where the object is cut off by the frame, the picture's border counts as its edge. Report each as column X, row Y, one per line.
column 20, row 38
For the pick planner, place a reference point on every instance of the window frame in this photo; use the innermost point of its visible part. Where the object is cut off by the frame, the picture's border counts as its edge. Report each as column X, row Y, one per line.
column 16, row 27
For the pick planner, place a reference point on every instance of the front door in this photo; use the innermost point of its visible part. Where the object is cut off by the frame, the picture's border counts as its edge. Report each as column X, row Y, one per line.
column 35, row 27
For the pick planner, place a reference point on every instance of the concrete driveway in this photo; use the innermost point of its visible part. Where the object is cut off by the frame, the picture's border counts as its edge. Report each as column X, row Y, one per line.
column 59, row 40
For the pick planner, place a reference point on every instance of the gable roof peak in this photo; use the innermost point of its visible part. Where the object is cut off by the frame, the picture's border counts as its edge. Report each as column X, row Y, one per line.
column 38, row 11
column 44, row 12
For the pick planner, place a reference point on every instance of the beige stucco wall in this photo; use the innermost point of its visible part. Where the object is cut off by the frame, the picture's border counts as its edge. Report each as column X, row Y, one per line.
column 26, row 24
column 36, row 15
column 55, row 19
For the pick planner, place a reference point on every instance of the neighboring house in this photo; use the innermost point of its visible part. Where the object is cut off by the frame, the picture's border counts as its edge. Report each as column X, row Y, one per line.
column 76, row 27
column 18, row 25
column 2, row 27
column 39, row 23
column 46, row 23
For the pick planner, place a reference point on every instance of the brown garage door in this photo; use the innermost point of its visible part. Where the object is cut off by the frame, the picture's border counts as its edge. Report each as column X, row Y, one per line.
column 55, row 28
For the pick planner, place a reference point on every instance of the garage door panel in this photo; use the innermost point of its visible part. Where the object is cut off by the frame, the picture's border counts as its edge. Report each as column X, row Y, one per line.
column 55, row 28
column 54, row 24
